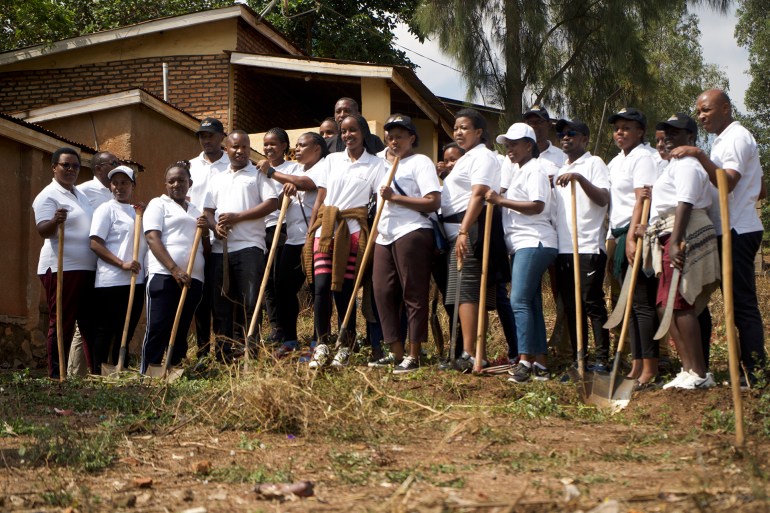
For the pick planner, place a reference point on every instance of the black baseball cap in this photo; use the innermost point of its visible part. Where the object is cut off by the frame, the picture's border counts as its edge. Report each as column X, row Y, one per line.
column 575, row 124
column 536, row 110
column 211, row 125
column 630, row 114
column 679, row 120
column 402, row 121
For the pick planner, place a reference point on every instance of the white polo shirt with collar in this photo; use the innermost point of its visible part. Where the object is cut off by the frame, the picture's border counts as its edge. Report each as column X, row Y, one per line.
column 735, row 148
column 202, row 171
column 96, row 192
column 113, row 222
column 177, row 228
column 590, row 216
column 77, row 244
column 236, row 191
column 627, row 173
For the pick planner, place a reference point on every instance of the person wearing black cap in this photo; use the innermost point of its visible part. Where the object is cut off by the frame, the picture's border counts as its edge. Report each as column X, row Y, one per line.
column 682, row 235
column 631, row 171
column 211, row 161
column 551, row 157
column 112, row 239
column 735, row 150
column 593, row 198
column 404, row 242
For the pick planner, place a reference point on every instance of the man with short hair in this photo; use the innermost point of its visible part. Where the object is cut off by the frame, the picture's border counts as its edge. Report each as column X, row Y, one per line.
column 236, row 204
column 735, row 151
column 211, row 161
column 592, row 193
column 349, row 107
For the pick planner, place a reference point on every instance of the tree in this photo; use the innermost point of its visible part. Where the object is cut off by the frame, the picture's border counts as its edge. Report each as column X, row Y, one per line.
column 753, row 33
column 571, row 56
column 340, row 29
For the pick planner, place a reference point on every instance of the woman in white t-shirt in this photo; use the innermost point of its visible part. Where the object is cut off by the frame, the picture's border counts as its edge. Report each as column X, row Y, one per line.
column 58, row 203
column 276, row 148
column 112, row 239
column 170, row 223
column 404, row 245
column 631, row 171
column 333, row 250
column 309, row 152
column 462, row 202
column 532, row 244
column 682, row 236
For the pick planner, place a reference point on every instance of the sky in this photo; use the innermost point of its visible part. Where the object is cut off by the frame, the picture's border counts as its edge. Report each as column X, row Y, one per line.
column 717, row 41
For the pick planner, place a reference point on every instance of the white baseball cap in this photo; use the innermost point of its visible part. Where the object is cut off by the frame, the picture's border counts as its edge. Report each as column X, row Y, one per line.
column 122, row 169
column 515, row 132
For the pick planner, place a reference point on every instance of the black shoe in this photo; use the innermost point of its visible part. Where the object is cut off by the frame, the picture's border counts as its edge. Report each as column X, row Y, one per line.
column 521, row 373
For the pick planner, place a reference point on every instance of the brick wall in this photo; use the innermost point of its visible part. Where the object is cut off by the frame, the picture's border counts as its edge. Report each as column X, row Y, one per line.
column 198, row 84
column 249, row 41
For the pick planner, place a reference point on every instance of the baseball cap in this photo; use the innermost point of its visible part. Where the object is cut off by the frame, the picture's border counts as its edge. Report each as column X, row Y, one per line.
column 515, row 132
column 536, row 110
column 122, row 169
column 630, row 114
column 211, row 125
column 679, row 120
column 575, row 124
column 402, row 121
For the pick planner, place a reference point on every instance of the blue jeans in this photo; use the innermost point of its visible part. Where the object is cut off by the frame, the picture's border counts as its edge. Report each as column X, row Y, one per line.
column 527, row 268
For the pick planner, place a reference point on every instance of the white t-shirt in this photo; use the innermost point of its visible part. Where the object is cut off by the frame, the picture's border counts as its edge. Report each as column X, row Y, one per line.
column 77, row 246
column 629, row 172
column 551, row 160
column 479, row 166
column 590, row 216
column 113, row 222
column 177, row 229
column 683, row 180
column 348, row 184
column 735, row 148
column 300, row 209
column 271, row 219
column 96, row 192
column 529, row 183
column 416, row 175
column 236, row 191
column 202, row 171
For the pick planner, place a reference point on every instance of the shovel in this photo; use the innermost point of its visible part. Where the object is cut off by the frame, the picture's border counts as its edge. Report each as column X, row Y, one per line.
column 265, row 277
column 109, row 369
column 344, row 339
column 59, row 306
column 580, row 376
column 163, row 371
column 435, row 325
column 727, row 293
column 481, row 330
column 606, row 392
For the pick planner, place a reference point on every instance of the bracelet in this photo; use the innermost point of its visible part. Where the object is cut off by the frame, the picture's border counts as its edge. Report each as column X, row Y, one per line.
column 270, row 172
column 462, row 232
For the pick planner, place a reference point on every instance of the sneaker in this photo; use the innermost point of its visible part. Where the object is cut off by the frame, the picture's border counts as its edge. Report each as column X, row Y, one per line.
column 680, row 378
column 341, row 358
column 320, row 356
column 285, row 349
column 695, row 382
column 484, row 363
column 540, row 373
column 521, row 373
column 377, row 354
column 386, row 361
column 408, row 364
column 464, row 363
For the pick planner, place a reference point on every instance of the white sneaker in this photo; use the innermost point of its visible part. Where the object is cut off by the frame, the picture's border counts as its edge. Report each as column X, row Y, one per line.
column 341, row 358
column 704, row 383
column 674, row 383
column 694, row 381
column 320, row 356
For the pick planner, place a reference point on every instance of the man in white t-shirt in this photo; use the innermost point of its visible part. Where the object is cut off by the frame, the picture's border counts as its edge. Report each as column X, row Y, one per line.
column 592, row 196
column 211, row 161
column 735, row 151
column 236, row 204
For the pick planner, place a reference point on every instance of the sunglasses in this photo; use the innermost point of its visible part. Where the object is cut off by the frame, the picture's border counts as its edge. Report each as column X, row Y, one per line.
column 114, row 163
column 568, row 133
column 68, row 165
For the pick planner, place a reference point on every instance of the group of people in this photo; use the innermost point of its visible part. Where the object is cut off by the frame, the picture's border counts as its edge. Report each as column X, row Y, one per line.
column 340, row 176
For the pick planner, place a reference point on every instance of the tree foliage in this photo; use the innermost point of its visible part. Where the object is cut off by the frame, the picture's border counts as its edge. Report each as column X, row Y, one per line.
column 571, row 56
column 340, row 29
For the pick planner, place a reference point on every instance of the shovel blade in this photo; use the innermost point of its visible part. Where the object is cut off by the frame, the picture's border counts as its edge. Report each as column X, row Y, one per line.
column 585, row 384
column 157, row 372
column 608, row 397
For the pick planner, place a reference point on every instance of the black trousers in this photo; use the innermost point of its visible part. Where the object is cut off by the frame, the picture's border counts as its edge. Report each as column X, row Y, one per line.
column 271, row 292
column 204, row 311
column 289, row 278
column 592, row 267
column 643, row 315
column 111, row 304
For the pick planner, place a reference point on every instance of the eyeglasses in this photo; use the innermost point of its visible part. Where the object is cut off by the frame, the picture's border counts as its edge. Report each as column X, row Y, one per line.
column 114, row 163
column 568, row 133
column 68, row 165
